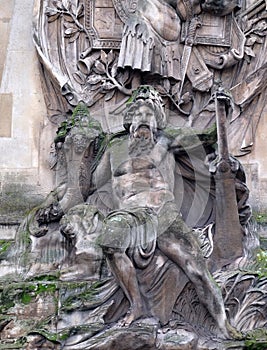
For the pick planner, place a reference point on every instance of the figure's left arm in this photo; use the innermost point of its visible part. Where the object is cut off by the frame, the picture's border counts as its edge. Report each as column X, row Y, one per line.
column 187, row 139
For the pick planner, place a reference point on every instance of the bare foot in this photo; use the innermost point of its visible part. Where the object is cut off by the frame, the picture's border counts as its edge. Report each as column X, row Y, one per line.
column 133, row 314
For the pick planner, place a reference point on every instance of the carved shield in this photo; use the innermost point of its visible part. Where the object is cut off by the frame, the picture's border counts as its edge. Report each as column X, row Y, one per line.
column 104, row 20
column 103, row 23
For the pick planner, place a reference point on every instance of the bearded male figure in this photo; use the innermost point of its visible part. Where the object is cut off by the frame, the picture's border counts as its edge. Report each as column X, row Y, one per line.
column 141, row 170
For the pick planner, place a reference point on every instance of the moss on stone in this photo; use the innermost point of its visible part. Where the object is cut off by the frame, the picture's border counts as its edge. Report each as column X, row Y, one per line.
column 23, row 293
column 80, row 112
column 26, row 298
column 190, row 137
column 17, row 344
column 263, row 243
column 6, row 246
column 260, row 218
column 256, row 340
column 76, row 295
column 53, row 337
column 261, row 261
column 16, row 201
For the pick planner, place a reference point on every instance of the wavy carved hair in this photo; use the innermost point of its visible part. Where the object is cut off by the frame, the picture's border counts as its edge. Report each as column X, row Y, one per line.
column 156, row 107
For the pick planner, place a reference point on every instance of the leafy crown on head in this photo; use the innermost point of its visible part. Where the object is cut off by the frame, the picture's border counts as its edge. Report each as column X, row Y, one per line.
column 145, row 94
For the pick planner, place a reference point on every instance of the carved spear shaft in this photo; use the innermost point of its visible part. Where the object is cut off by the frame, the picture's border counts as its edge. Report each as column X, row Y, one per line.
column 189, row 42
column 228, row 232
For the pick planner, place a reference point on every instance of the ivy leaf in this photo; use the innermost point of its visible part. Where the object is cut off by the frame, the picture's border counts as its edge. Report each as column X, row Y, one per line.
column 79, row 78
column 74, row 37
column 108, row 86
column 94, row 79
column 80, row 11
column 70, row 25
column 110, row 57
column 52, row 18
column 259, row 40
column 175, row 89
column 104, row 57
column 70, row 31
column 109, row 95
column 261, row 25
column 114, row 70
column 186, row 98
column 99, row 67
column 68, row 18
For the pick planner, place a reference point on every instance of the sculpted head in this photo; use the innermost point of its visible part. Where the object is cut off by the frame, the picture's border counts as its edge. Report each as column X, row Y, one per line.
column 145, row 109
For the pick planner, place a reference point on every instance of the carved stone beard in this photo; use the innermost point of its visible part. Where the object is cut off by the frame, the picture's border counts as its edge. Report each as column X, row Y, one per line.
column 142, row 140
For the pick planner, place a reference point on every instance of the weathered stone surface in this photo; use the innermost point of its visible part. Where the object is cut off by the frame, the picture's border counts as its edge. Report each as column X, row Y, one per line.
column 6, row 113
column 5, row 27
column 61, row 292
column 22, row 147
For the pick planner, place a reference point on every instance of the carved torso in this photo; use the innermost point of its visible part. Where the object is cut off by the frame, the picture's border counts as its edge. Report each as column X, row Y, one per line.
column 146, row 180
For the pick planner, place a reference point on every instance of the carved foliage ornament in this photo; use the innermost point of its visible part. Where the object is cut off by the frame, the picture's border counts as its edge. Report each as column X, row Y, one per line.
column 106, row 48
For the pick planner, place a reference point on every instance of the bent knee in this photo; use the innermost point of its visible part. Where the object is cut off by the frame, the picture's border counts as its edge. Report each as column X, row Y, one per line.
column 163, row 240
column 115, row 236
column 116, row 220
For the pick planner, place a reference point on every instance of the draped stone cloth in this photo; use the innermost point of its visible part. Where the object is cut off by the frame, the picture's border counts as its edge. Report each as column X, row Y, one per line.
column 147, row 46
column 136, row 232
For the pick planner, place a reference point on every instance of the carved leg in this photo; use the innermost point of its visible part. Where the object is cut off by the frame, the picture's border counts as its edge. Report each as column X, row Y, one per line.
column 183, row 250
column 125, row 273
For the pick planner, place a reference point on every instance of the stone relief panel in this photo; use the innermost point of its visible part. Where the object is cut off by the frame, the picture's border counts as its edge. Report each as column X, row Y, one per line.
column 146, row 241
column 155, row 204
column 108, row 48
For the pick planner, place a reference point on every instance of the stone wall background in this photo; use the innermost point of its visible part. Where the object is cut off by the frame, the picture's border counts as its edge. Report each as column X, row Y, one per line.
column 26, row 133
